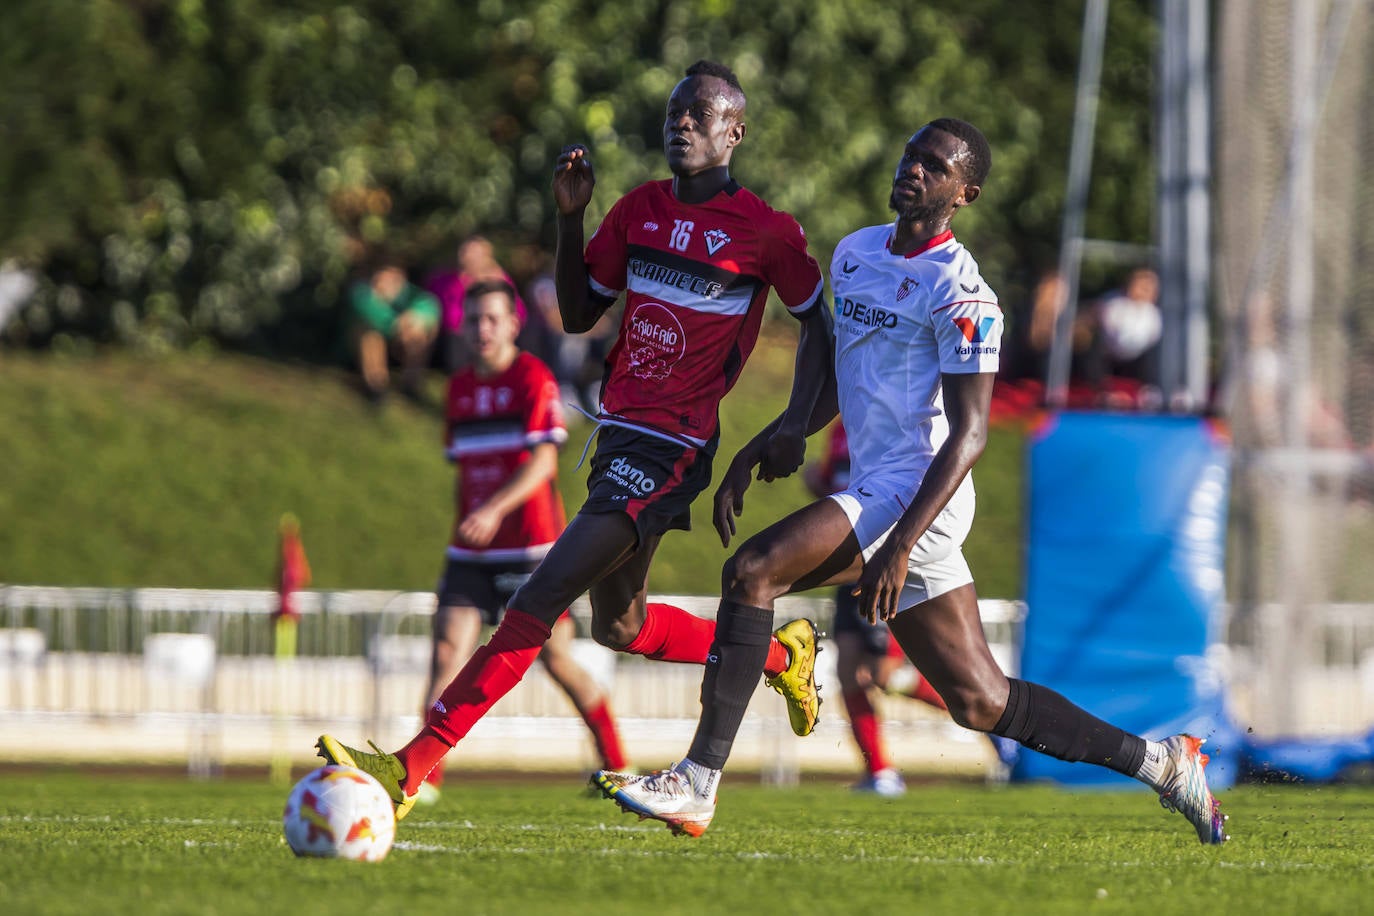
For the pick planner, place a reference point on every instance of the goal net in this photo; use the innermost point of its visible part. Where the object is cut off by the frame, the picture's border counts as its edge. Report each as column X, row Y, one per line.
column 1294, row 249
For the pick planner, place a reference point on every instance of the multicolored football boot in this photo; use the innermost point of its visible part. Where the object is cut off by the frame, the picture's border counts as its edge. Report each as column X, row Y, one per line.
column 1184, row 789
column 664, row 795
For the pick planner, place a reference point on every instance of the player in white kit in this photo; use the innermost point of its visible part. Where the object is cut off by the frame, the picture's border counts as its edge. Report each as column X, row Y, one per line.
column 917, row 335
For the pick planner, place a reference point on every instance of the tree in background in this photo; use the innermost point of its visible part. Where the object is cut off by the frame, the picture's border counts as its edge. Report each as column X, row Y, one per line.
column 180, row 170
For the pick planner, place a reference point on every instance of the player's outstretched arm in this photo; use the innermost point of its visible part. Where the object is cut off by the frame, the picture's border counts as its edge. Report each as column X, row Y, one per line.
column 968, row 403
column 573, row 181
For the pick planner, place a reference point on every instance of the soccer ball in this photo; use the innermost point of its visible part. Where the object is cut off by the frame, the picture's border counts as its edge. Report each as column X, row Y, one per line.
column 339, row 812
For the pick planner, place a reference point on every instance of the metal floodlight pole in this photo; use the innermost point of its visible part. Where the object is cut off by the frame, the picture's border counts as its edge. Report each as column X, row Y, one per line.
column 1182, row 229
column 1197, row 201
column 1076, row 197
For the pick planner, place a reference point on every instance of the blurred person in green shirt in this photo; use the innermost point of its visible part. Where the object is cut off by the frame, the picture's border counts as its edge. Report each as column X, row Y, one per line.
column 393, row 320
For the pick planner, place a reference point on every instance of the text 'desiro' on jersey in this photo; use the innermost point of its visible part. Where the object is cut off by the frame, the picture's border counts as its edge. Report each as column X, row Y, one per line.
column 493, row 423
column 696, row 280
column 900, row 323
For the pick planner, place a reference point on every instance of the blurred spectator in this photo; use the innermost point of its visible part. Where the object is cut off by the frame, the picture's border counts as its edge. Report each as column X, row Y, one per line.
column 1127, row 327
column 1272, row 392
column 577, row 360
column 1047, row 303
column 392, row 320
column 476, row 262
column 17, row 286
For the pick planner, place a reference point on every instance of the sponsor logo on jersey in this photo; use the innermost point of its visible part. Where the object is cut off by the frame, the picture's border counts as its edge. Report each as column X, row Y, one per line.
column 908, row 285
column 677, row 279
column 971, row 289
column 650, row 226
column 716, row 239
column 974, row 333
column 627, row 475
column 866, row 314
column 849, row 268
column 654, row 342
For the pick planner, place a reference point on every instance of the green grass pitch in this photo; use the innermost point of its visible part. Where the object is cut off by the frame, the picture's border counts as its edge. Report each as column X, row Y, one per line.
column 74, row 843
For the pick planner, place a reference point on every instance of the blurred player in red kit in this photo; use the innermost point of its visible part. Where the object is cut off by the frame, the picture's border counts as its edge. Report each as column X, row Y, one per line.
column 502, row 429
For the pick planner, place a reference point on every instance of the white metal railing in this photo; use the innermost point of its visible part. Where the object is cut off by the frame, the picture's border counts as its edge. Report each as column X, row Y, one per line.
column 191, row 673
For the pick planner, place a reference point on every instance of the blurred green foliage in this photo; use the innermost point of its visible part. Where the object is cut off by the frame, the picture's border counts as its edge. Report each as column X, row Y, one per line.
column 189, row 170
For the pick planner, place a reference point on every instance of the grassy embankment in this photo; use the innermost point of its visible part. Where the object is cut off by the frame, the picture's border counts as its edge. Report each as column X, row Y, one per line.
column 124, row 470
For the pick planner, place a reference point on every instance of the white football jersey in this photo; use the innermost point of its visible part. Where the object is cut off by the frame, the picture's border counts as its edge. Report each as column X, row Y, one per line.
column 900, row 322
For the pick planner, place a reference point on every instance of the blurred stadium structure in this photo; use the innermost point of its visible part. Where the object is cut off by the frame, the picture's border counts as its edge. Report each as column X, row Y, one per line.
column 1293, row 204
column 1264, row 232
column 189, row 674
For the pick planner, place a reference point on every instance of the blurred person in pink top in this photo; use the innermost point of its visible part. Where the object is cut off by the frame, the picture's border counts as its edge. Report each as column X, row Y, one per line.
column 476, row 262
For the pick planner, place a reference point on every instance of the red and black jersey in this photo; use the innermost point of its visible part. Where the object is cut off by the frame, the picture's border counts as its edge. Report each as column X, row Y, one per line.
column 493, row 424
column 696, row 278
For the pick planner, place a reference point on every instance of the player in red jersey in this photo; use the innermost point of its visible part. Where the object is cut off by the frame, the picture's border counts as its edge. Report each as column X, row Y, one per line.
column 695, row 257
column 502, row 429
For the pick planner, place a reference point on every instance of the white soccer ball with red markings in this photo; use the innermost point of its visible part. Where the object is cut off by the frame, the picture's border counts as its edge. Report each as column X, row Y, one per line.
column 339, row 812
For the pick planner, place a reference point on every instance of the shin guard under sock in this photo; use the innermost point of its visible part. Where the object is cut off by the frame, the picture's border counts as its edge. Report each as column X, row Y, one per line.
column 1045, row 721
column 733, row 669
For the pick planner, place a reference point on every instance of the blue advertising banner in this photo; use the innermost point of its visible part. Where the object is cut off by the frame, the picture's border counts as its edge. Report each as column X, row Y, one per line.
column 1125, row 540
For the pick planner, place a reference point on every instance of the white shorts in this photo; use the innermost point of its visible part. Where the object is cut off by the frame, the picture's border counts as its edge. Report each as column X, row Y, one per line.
column 937, row 563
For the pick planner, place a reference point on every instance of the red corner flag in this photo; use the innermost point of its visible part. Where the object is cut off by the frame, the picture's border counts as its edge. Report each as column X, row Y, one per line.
column 293, row 571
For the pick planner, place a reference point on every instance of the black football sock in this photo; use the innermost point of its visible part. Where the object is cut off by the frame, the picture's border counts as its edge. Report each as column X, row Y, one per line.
column 1045, row 721
column 733, row 668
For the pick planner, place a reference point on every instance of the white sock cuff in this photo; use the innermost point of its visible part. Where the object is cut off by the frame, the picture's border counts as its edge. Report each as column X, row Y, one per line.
column 1156, row 761
column 704, row 780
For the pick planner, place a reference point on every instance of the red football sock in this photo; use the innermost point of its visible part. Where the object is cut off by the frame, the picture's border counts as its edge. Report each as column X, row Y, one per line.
column 488, row 676
column 927, row 694
column 420, row 757
column 602, row 725
column 436, row 775
column 778, row 658
column 670, row 634
column 863, row 721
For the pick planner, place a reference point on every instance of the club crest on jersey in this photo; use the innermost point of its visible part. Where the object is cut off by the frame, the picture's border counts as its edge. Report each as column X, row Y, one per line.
column 908, row 285
column 974, row 333
column 715, row 240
